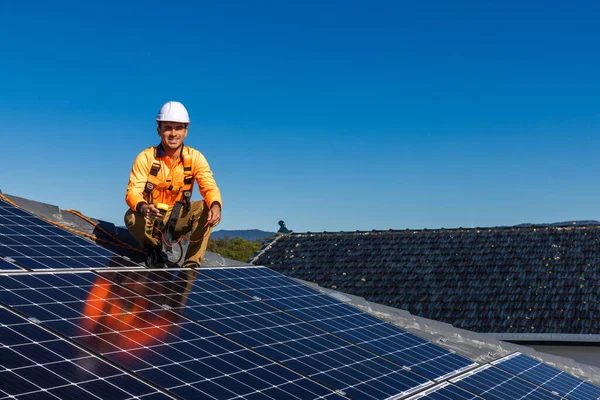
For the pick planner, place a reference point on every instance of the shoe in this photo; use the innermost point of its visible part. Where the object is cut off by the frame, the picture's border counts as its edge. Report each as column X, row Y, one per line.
column 191, row 265
column 155, row 258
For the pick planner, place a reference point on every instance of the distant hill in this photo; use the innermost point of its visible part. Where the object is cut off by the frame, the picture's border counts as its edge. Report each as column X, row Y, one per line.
column 247, row 234
column 563, row 224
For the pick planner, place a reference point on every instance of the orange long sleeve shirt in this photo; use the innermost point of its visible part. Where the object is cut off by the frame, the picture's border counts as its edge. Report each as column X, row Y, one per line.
column 169, row 172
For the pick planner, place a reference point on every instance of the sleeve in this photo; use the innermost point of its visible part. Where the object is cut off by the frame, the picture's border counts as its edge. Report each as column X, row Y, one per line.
column 137, row 181
column 206, row 182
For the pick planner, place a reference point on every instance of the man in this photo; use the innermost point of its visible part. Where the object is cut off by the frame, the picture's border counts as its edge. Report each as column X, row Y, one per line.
column 166, row 174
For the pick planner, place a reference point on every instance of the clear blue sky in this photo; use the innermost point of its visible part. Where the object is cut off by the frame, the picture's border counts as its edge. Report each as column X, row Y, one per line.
column 330, row 115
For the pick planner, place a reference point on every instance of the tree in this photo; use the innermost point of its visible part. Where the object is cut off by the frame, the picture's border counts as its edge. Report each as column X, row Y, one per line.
column 235, row 249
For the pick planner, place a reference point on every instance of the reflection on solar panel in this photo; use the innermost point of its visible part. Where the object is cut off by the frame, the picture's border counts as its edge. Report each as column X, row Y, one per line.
column 445, row 391
column 548, row 377
column 347, row 322
column 35, row 364
column 303, row 347
column 6, row 266
column 35, row 244
column 494, row 384
column 150, row 340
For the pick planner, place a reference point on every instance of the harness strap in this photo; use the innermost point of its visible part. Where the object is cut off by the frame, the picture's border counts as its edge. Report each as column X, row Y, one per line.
column 155, row 168
column 152, row 181
column 170, row 228
column 188, row 181
column 184, row 191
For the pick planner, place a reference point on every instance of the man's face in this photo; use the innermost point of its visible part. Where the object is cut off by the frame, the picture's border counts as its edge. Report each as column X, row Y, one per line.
column 172, row 134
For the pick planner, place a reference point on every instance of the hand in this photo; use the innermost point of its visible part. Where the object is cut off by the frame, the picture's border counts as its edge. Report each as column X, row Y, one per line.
column 149, row 211
column 214, row 216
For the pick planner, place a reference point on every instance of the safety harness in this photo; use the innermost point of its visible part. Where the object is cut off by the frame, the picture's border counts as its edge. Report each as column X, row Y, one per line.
column 183, row 192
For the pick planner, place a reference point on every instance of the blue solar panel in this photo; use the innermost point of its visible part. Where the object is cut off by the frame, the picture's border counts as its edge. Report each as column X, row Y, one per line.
column 345, row 321
column 152, row 341
column 7, row 266
column 548, row 377
column 35, row 364
column 445, row 391
column 297, row 344
column 495, row 384
column 37, row 245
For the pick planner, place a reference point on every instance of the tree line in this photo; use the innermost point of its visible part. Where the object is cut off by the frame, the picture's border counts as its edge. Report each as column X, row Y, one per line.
column 234, row 249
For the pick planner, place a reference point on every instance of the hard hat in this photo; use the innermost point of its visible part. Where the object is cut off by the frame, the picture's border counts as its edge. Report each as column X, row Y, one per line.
column 173, row 111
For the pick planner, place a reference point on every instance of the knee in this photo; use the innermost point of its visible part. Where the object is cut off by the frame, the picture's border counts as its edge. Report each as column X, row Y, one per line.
column 130, row 218
column 198, row 212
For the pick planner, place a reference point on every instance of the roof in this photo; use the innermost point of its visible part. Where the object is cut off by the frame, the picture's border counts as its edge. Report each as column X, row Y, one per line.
column 529, row 281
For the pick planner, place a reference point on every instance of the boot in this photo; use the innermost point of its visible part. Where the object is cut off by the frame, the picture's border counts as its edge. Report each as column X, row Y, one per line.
column 155, row 258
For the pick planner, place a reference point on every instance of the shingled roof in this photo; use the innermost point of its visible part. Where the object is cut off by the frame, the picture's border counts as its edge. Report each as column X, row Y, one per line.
column 512, row 280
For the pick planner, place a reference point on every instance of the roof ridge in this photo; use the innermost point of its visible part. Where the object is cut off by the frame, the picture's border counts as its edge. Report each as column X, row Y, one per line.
column 523, row 227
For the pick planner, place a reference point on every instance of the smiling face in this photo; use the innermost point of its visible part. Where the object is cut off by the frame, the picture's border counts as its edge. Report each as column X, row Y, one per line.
column 172, row 135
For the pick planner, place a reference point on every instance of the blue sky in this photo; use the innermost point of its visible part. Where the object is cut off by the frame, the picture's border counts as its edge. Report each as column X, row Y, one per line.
column 330, row 115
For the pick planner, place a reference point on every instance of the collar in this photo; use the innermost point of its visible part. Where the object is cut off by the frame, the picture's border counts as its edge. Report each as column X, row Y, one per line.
column 160, row 151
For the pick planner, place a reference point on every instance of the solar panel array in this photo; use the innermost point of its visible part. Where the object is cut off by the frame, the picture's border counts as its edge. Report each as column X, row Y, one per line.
column 155, row 343
column 548, row 377
column 303, row 347
column 345, row 321
column 72, row 327
column 34, row 363
column 34, row 244
column 490, row 382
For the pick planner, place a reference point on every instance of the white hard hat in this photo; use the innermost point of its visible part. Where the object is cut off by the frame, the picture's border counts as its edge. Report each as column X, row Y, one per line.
column 173, row 111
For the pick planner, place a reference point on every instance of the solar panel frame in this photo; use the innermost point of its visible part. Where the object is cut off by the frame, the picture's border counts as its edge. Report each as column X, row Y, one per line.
column 7, row 265
column 445, row 391
column 548, row 377
column 36, row 363
column 492, row 383
column 188, row 360
column 275, row 334
column 35, row 244
column 344, row 320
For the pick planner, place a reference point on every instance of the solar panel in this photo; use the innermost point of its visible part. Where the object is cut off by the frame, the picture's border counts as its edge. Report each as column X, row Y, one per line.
column 548, row 377
column 38, row 245
column 297, row 344
column 7, row 266
column 345, row 321
column 495, row 384
column 152, row 341
column 36, row 364
column 445, row 391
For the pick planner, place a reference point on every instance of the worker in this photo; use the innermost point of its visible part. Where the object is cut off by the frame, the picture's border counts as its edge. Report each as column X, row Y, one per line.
column 164, row 175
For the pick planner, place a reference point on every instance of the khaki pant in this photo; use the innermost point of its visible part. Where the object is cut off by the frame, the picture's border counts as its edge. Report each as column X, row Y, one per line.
column 192, row 224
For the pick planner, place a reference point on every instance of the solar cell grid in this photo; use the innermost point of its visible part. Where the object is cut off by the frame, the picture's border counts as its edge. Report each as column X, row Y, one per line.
column 8, row 266
column 275, row 334
column 37, row 245
column 493, row 383
column 445, row 391
column 35, row 364
column 548, row 377
column 345, row 321
column 152, row 341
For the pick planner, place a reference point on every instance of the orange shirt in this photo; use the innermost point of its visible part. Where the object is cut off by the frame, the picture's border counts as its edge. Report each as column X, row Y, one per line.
column 172, row 174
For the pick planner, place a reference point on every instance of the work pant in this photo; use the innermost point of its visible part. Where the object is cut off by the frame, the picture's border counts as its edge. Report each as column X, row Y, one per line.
column 191, row 223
